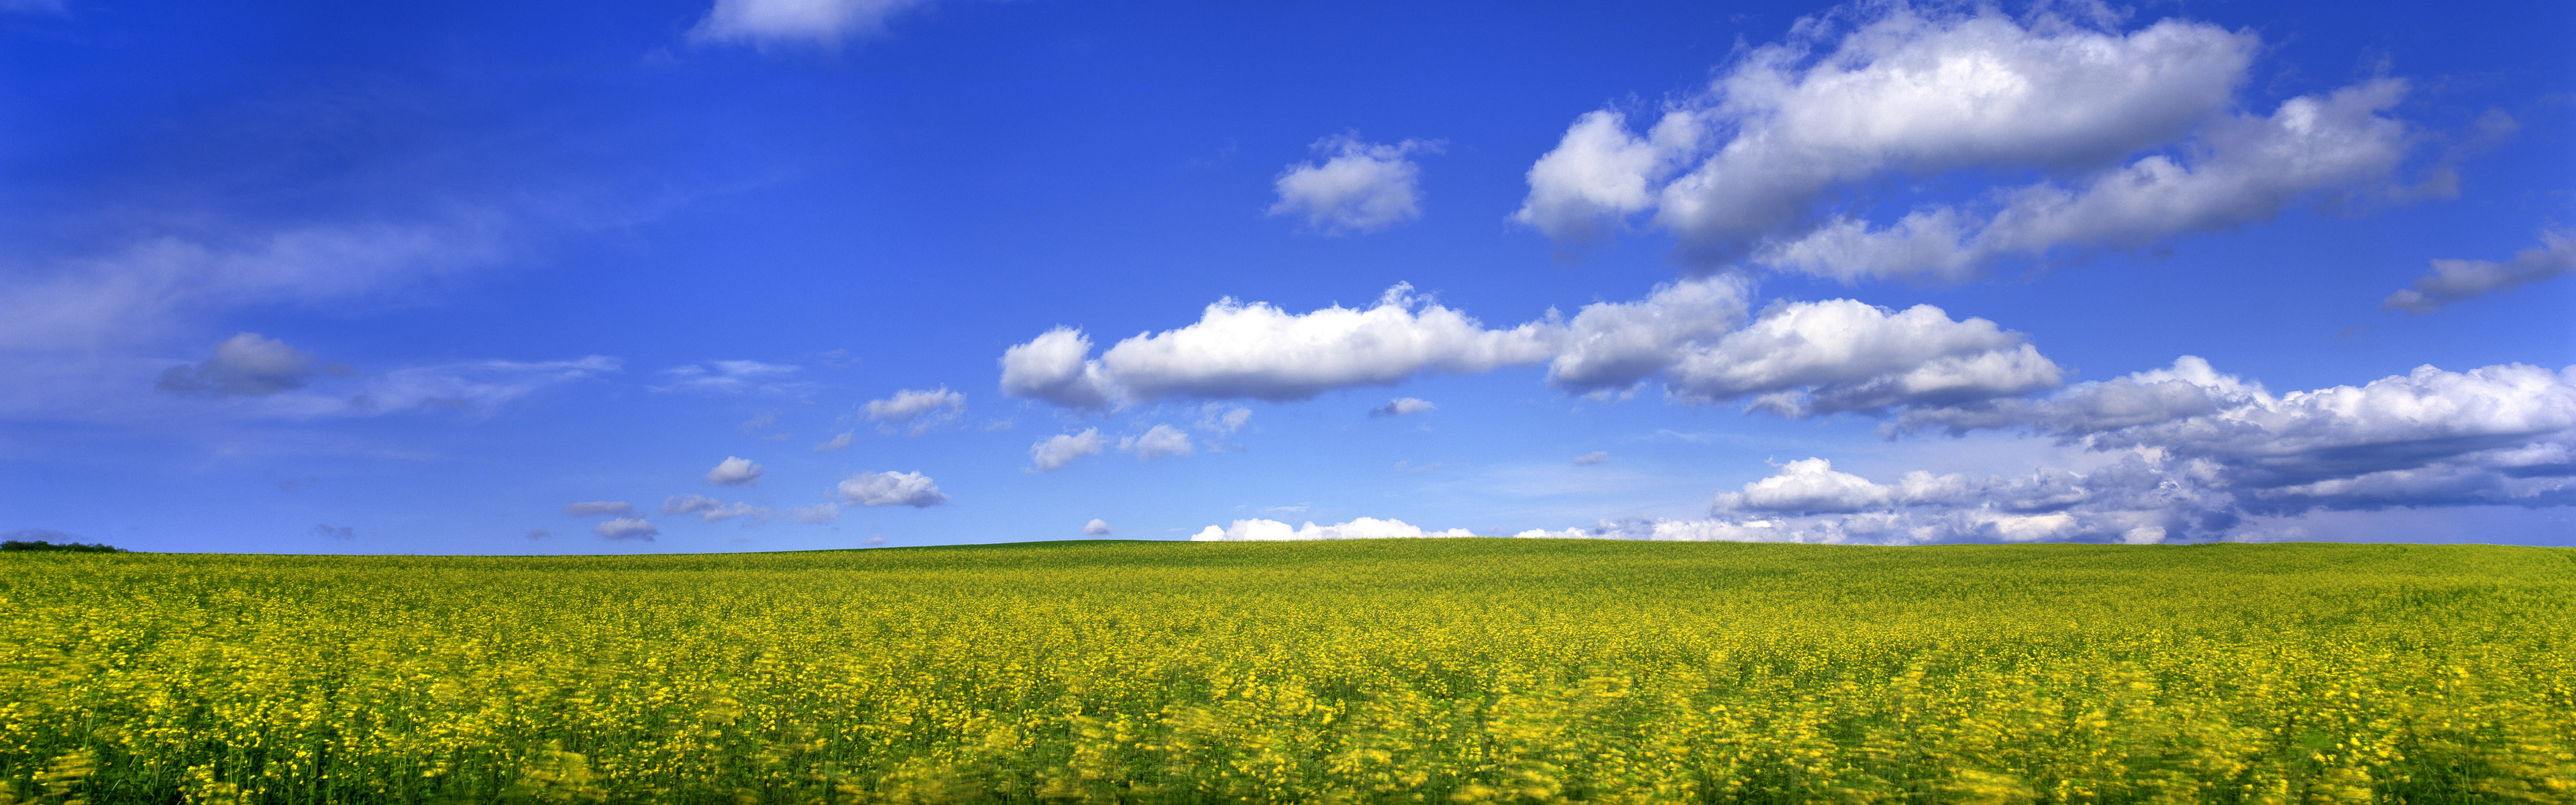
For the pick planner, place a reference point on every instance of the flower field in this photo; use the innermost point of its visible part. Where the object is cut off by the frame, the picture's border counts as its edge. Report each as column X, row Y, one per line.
column 1461, row 670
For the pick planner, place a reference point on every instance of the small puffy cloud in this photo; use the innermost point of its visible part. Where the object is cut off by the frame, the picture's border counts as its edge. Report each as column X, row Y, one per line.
column 1056, row 451
column 247, row 364
column 1359, row 187
column 1401, row 406
column 1157, row 442
column 891, row 489
column 838, row 441
column 327, row 531
column 597, row 507
column 1362, row 528
column 919, row 411
column 1257, row 351
column 796, row 22
column 2455, row 280
column 734, row 471
column 1591, row 458
column 1812, row 358
column 2144, row 125
column 710, row 509
column 627, row 528
column 1097, row 527
column 817, row 513
column 1220, row 419
column 735, row 378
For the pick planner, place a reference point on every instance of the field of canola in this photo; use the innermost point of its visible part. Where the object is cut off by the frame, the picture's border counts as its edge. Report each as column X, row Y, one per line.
column 1475, row 670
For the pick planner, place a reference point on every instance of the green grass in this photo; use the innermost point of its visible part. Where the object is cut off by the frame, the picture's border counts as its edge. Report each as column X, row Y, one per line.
column 1398, row 670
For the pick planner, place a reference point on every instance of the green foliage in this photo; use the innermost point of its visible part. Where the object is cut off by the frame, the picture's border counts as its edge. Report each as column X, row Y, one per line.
column 1477, row 670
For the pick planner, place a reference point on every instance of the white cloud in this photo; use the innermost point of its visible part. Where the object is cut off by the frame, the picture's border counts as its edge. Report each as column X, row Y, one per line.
column 736, row 377
column 1257, row 351
column 1056, row 451
column 475, row 388
column 153, row 287
column 1800, row 359
column 1840, row 355
column 1591, row 458
column 1362, row 528
column 711, row 510
column 817, row 513
column 1097, row 527
column 1219, row 419
column 595, row 507
column 1157, row 442
column 918, row 410
column 734, row 471
column 2455, row 280
column 811, row 22
column 839, row 440
column 2143, row 120
column 1402, row 406
column 2242, row 170
column 2493, row 435
column 626, row 528
column 246, row 364
column 1055, row 367
column 1610, row 346
column 1359, row 187
column 891, row 489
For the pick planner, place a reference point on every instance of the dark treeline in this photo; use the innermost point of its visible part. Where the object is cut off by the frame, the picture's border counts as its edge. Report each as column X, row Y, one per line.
column 41, row 545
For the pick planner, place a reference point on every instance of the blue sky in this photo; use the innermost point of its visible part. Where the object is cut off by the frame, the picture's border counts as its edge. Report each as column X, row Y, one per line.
column 783, row 274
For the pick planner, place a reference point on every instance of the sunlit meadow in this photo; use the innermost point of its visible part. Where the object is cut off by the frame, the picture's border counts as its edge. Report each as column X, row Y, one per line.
column 1466, row 670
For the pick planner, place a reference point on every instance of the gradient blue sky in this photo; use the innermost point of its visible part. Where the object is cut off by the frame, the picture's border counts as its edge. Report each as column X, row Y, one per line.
column 330, row 277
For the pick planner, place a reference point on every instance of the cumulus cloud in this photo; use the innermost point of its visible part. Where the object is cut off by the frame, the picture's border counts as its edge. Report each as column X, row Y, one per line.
column 794, row 22
column 1257, row 351
column 2242, row 170
column 1840, row 355
column 1610, row 346
column 1363, row 528
column 710, row 509
column 1402, row 406
column 917, row 410
column 1056, row 451
column 1097, row 527
column 1359, row 187
column 838, row 441
column 2455, row 280
column 2143, row 124
column 1798, row 359
column 596, row 507
column 1591, row 458
column 627, row 528
column 1056, row 367
column 1157, row 442
column 734, row 471
column 891, row 489
column 247, row 364
column 2501, row 434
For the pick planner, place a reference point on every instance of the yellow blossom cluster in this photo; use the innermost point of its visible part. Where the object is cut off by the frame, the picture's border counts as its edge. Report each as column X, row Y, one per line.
column 1460, row 670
